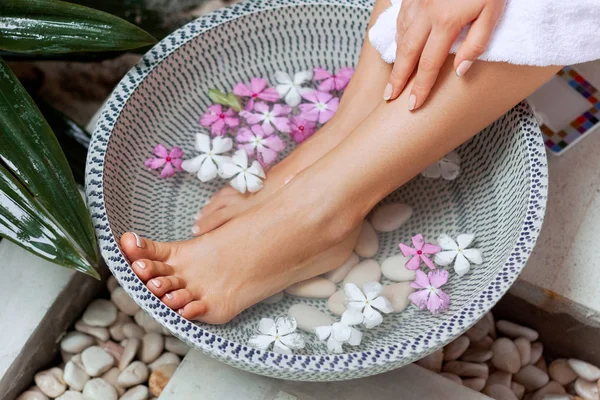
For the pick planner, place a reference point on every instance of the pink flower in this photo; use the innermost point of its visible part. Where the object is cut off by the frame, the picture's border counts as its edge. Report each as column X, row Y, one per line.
column 420, row 252
column 338, row 81
column 257, row 90
column 269, row 118
column 301, row 129
column 431, row 296
column 171, row 160
column 219, row 120
column 322, row 108
column 265, row 147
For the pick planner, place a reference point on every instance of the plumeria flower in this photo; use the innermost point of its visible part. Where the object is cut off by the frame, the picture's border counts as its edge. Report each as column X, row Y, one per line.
column 448, row 167
column 171, row 160
column 430, row 296
column 337, row 81
column 260, row 145
column 368, row 301
column 301, row 129
column 323, row 106
column 256, row 90
column 341, row 332
column 244, row 178
column 269, row 118
column 421, row 251
column 207, row 165
column 219, row 120
column 290, row 88
column 281, row 333
column 458, row 250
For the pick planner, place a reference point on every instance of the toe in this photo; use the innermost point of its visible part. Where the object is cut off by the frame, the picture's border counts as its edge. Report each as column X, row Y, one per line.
column 226, row 191
column 177, row 298
column 214, row 221
column 193, row 310
column 164, row 284
column 147, row 269
column 136, row 247
column 215, row 205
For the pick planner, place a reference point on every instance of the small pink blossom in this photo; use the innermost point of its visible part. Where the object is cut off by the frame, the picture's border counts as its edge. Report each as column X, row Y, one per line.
column 431, row 295
column 323, row 106
column 264, row 147
column 219, row 120
column 256, row 90
column 170, row 160
column 337, row 81
column 421, row 251
column 301, row 129
column 270, row 119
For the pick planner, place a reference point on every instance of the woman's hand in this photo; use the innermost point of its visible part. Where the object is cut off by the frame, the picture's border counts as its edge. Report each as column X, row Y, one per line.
column 425, row 33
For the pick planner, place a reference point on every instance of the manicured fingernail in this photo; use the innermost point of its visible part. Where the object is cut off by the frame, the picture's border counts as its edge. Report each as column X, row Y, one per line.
column 138, row 241
column 463, row 67
column 198, row 216
column 387, row 93
column 169, row 296
column 140, row 264
column 156, row 283
column 195, row 230
column 412, row 102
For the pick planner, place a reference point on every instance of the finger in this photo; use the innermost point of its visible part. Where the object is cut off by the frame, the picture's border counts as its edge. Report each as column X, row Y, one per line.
column 405, row 18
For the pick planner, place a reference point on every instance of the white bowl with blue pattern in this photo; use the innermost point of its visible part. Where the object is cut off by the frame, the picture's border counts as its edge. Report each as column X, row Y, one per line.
column 500, row 195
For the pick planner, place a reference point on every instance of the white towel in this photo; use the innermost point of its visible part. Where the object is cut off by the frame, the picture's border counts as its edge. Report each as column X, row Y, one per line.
column 530, row 32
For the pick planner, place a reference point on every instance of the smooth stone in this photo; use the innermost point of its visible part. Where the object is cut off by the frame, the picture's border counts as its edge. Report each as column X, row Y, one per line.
column 51, row 382
column 166, row 332
column 586, row 389
column 146, row 321
column 478, row 331
column 308, row 318
column 467, row 369
column 111, row 377
column 389, row 217
column 476, row 384
column 584, row 370
column 165, row 358
column 397, row 294
column 393, row 268
column 367, row 244
column 499, row 392
column 116, row 331
column 337, row 275
column 129, row 352
column 123, row 301
column 513, row 330
column 96, row 361
column 111, row 283
column 70, row 395
column 112, row 348
column 95, row 331
column 454, row 378
column 551, row 387
column 492, row 324
column 152, row 347
column 561, row 372
column 176, row 346
column 455, row 349
column 65, row 356
column 531, row 377
column 31, row 395
column 160, row 378
column 313, row 288
column 499, row 378
column 524, row 347
column 276, row 298
column 137, row 372
column 518, row 390
column 76, row 342
column 537, row 349
column 541, row 364
column 484, row 344
column 366, row 271
column 132, row 330
column 99, row 389
column 433, row 362
column 75, row 376
column 477, row 355
column 78, row 361
column 100, row 313
column 139, row 392
column 337, row 303
column 506, row 356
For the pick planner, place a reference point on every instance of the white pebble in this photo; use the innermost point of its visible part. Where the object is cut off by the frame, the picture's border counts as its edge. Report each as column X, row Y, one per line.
column 308, row 317
column 132, row 330
column 477, row 355
column 455, row 349
column 506, row 356
column 389, row 217
column 95, row 331
column 165, row 358
column 584, row 370
column 531, row 377
column 123, row 301
column 367, row 244
column 537, row 349
column 129, row 352
column 513, row 330
column 51, row 382
column 433, row 362
column 314, row 288
column 101, row 313
column 524, row 347
column 78, row 361
column 397, row 294
column 136, row 373
column 561, row 371
column 499, row 378
column 366, row 271
column 146, row 321
column 99, row 389
column 499, row 392
column 276, row 298
column 139, row 392
column 467, row 369
column 476, row 384
column 337, row 275
column 176, row 346
column 111, row 283
column 116, row 331
column 31, row 395
column 111, row 377
column 70, row 395
column 76, row 342
column 478, row 331
column 550, row 388
column 75, row 376
column 586, row 389
column 394, row 269
column 337, row 303
column 152, row 347
column 160, row 378
column 485, row 343
column 96, row 361
column 518, row 390
column 65, row 356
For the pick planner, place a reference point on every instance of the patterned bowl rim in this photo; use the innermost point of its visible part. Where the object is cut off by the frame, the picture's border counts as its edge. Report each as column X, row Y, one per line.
column 297, row 367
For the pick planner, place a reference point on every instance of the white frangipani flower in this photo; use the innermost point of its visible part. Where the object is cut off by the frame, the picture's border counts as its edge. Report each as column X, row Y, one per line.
column 458, row 250
column 291, row 89
column 207, row 164
column 280, row 332
column 448, row 167
column 341, row 332
column 368, row 301
column 244, row 178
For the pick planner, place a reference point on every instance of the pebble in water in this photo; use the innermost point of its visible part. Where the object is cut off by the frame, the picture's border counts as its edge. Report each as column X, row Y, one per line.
column 51, row 382
column 366, row 271
column 397, row 294
column 586, row 389
column 367, row 244
column 506, row 355
column 99, row 389
column 531, row 377
column 336, row 303
column 394, row 269
column 389, row 217
column 455, row 349
column 131, row 349
column 76, row 342
column 524, row 347
column 499, row 392
column 95, row 331
column 584, row 370
column 137, row 372
column 160, row 377
column 96, row 361
column 337, row 275
column 123, row 301
column 139, row 392
column 100, row 313
column 75, row 376
column 561, row 371
column 433, row 362
column 152, row 347
column 165, row 358
column 513, row 330
column 314, row 288
column 308, row 318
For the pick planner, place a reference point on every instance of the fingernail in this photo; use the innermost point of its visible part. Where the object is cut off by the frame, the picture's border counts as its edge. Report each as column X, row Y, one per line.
column 387, row 93
column 195, row 230
column 169, row 296
column 140, row 264
column 156, row 283
column 138, row 241
column 198, row 216
column 412, row 102
column 463, row 67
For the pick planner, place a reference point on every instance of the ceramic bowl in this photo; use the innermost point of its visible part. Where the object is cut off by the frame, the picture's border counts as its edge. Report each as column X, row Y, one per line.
column 500, row 195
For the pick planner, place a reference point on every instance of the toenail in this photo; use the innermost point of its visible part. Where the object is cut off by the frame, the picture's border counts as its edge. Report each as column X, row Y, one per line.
column 140, row 264
column 156, row 283
column 169, row 296
column 180, row 312
column 195, row 229
column 138, row 241
column 198, row 216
